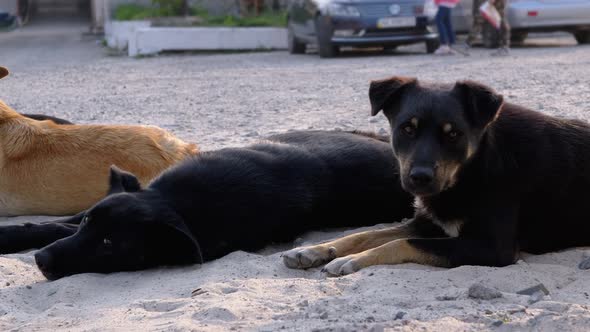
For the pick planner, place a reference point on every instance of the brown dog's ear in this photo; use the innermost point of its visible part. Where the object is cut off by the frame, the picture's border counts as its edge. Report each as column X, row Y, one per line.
column 3, row 72
column 482, row 103
column 121, row 181
column 383, row 92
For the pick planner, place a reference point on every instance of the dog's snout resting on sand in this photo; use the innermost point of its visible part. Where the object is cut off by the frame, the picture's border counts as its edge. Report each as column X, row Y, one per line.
column 490, row 179
column 51, row 167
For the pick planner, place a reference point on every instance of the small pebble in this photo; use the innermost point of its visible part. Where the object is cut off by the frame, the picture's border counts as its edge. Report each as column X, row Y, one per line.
column 399, row 315
column 497, row 323
column 303, row 303
column 446, row 297
column 536, row 297
column 533, row 290
column 479, row 291
column 585, row 264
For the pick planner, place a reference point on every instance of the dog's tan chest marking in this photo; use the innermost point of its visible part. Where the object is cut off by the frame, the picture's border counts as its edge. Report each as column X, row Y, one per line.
column 451, row 227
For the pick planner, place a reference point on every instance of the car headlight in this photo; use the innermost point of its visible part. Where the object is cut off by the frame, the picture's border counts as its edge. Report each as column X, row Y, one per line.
column 343, row 10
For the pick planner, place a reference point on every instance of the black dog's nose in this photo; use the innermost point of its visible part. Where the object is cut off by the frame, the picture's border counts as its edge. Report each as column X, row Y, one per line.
column 43, row 260
column 422, row 176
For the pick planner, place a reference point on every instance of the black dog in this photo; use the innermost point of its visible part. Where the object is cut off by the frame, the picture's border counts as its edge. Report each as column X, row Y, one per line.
column 490, row 179
column 222, row 201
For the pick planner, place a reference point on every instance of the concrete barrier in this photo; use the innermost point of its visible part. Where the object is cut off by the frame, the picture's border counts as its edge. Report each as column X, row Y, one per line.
column 152, row 40
column 119, row 33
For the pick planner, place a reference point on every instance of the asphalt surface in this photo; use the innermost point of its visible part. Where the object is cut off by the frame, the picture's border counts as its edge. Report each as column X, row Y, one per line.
column 226, row 99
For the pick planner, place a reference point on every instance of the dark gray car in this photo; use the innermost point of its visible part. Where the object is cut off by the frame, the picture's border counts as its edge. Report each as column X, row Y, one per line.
column 331, row 24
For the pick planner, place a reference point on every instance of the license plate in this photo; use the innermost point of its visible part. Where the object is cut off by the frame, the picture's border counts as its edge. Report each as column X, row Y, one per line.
column 396, row 22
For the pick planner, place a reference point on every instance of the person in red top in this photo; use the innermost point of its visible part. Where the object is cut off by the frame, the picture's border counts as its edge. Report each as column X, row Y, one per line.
column 444, row 26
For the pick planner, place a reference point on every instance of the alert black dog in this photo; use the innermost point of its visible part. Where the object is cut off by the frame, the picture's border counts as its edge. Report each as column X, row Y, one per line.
column 489, row 178
column 222, row 201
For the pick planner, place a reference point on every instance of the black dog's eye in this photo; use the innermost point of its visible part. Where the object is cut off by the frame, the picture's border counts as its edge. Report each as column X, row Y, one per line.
column 107, row 242
column 409, row 130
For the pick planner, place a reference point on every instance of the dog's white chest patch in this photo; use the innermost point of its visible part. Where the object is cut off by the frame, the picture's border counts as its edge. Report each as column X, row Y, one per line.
column 451, row 228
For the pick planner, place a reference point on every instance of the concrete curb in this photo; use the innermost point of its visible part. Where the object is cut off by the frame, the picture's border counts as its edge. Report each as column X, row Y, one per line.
column 152, row 40
column 139, row 38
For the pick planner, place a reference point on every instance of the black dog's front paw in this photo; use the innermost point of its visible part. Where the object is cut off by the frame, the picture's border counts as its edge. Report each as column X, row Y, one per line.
column 32, row 236
column 13, row 238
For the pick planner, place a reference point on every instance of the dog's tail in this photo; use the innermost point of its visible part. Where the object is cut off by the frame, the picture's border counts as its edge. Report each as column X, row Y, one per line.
column 382, row 138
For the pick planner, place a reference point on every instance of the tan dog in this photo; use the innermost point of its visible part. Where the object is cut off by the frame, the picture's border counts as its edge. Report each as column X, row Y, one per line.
column 52, row 169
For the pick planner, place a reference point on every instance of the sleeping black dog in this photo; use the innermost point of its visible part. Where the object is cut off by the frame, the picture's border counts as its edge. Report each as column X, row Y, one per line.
column 222, row 201
column 43, row 117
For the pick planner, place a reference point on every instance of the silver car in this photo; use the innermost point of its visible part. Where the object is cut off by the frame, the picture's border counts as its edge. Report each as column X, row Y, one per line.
column 526, row 16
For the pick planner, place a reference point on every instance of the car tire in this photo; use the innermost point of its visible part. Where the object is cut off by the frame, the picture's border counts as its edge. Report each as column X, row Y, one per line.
column 324, row 34
column 295, row 46
column 518, row 38
column 389, row 49
column 432, row 46
column 583, row 37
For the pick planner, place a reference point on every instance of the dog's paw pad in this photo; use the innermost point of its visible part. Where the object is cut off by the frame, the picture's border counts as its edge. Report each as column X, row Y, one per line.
column 342, row 266
column 307, row 257
column 585, row 265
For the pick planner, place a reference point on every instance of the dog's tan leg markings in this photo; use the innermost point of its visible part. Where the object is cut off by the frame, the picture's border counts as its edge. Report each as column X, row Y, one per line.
column 312, row 256
column 394, row 252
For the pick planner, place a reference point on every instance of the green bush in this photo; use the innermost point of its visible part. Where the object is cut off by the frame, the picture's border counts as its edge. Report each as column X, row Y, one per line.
column 163, row 8
column 159, row 8
column 266, row 19
column 131, row 12
column 168, row 7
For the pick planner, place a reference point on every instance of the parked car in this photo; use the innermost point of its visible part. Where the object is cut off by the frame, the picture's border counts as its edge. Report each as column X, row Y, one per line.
column 526, row 16
column 331, row 24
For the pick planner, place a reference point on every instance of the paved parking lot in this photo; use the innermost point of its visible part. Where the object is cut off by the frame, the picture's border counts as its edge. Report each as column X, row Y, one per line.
column 234, row 98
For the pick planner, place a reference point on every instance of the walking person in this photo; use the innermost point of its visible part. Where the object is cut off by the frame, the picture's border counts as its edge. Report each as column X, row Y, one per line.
column 478, row 22
column 444, row 26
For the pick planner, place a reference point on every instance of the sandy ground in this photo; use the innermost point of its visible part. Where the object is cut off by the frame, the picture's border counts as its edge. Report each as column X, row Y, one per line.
column 234, row 99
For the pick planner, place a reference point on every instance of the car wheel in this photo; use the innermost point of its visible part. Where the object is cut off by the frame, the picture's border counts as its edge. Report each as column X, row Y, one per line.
column 324, row 34
column 583, row 37
column 432, row 45
column 389, row 49
column 518, row 37
column 490, row 36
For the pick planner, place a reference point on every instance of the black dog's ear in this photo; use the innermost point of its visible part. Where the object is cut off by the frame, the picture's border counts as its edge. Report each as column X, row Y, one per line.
column 182, row 245
column 482, row 103
column 383, row 92
column 121, row 181
column 3, row 72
